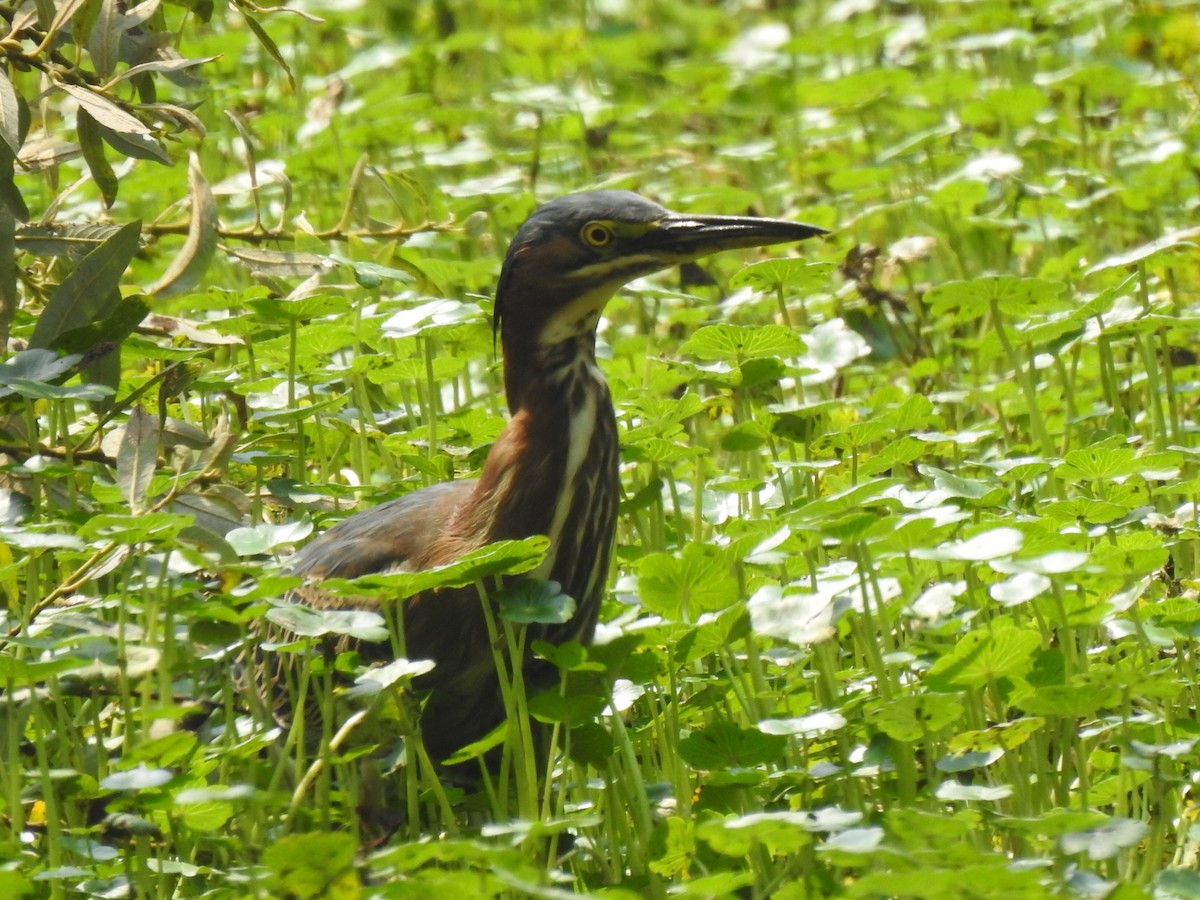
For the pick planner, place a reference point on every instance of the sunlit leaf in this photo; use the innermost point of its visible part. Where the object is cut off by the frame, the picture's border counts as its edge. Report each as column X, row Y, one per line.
column 192, row 261
column 308, row 622
column 105, row 111
column 682, row 587
column 10, row 128
column 500, row 558
column 1001, row 650
column 1017, row 297
column 137, row 457
column 742, row 342
column 314, row 865
column 1107, row 840
column 137, row 779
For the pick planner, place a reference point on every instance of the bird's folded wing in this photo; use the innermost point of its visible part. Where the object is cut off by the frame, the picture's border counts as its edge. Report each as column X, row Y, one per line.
column 383, row 538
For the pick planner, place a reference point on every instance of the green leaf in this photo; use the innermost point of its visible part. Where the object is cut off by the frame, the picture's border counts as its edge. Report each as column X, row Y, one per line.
column 1083, row 509
column 137, row 457
column 314, row 865
column 105, row 111
column 137, row 779
column 1001, row 650
column 681, row 588
column 190, row 264
column 1017, row 297
column 380, row 677
column 14, row 884
column 796, row 275
column 106, row 334
column 90, row 291
column 979, row 493
column 551, row 706
column 265, row 537
column 533, row 600
column 892, row 455
column 302, row 309
column 1100, row 462
column 135, row 146
column 1107, row 840
column 723, row 745
column 500, row 558
column 135, row 527
column 10, row 115
column 1186, row 241
column 913, row 716
column 104, row 38
column 308, row 622
column 736, row 343
column 35, row 366
column 678, row 847
column 985, row 545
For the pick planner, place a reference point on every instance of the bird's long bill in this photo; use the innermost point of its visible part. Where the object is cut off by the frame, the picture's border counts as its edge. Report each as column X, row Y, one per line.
column 695, row 236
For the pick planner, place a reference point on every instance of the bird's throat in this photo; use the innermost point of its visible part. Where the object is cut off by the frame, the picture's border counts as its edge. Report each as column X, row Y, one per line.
column 554, row 471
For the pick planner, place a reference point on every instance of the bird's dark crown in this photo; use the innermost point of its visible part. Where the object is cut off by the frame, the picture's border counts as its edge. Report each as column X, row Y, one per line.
column 566, row 215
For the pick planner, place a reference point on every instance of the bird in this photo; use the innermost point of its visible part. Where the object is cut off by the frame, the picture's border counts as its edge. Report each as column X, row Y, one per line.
column 553, row 469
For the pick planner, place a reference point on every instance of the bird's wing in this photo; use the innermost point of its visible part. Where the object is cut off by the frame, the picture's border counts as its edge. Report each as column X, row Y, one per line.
column 382, row 538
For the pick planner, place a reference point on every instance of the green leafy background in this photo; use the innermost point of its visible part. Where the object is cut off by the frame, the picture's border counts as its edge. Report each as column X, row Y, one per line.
column 905, row 593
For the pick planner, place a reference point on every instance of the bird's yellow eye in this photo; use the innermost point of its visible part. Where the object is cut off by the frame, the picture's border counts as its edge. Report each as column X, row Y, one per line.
column 596, row 234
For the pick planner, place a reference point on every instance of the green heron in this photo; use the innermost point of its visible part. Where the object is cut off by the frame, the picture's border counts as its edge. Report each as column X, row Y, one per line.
column 553, row 469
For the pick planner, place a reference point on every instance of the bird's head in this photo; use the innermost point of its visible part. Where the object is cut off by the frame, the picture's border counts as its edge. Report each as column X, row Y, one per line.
column 573, row 253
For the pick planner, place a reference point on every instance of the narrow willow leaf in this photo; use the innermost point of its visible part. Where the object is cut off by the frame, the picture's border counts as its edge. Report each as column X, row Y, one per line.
column 91, row 144
column 104, row 40
column 158, row 323
column 268, row 44
column 105, row 111
column 8, row 259
column 165, row 66
column 137, row 457
column 91, row 339
column 10, row 114
column 43, row 153
column 282, row 263
column 72, row 241
column 63, row 14
column 135, row 146
column 193, row 260
column 86, row 294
